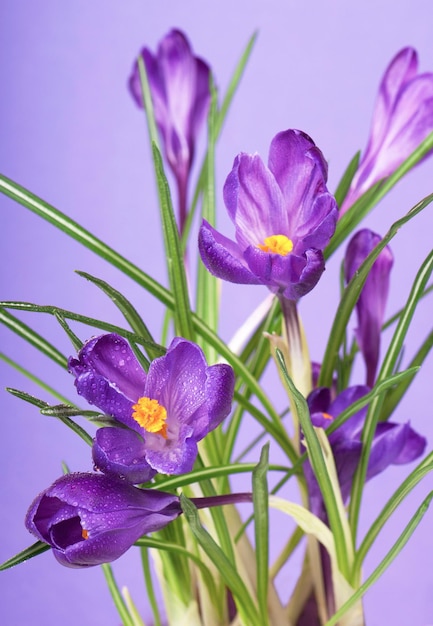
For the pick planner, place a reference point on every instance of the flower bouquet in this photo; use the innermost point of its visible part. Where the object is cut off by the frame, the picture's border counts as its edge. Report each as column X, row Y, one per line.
column 173, row 420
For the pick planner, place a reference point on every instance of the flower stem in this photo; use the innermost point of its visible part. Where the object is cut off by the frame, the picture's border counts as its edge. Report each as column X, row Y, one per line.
column 229, row 498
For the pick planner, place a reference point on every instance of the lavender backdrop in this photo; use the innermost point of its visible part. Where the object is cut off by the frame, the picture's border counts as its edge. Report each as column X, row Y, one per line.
column 71, row 134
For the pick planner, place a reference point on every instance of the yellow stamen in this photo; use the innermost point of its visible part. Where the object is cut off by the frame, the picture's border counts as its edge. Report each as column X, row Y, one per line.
column 327, row 416
column 151, row 416
column 84, row 534
column 277, row 244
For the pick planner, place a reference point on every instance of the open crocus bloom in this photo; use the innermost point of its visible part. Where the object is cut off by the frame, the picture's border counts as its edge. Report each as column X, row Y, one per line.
column 161, row 415
column 89, row 519
column 179, row 84
column 392, row 444
column 284, row 217
column 402, row 119
column 371, row 304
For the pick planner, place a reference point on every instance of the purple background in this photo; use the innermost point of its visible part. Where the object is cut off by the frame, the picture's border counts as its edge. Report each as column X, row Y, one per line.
column 71, row 134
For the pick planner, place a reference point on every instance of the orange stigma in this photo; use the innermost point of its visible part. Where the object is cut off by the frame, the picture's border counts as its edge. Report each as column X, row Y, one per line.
column 277, row 244
column 84, row 534
column 151, row 416
column 327, row 416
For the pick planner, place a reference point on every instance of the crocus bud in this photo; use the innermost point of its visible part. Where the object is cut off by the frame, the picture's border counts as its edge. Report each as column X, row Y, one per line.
column 371, row 304
column 402, row 119
column 89, row 519
column 179, row 85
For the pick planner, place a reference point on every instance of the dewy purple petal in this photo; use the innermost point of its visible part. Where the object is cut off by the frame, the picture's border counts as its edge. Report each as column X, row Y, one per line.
column 121, row 452
column 111, row 357
column 177, row 380
column 102, row 393
column 196, row 399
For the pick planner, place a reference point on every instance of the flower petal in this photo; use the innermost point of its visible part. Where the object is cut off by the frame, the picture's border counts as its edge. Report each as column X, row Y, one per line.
column 402, row 119
column 301, row 173
column 110, row 356
column 372, row 301
column 99, row 391
column 254, row 201
column 401, row 70
column 89, row 519
column 121, row 453
column 220, row 383
column 223, row 258
column 177, row 380
column 393, row 444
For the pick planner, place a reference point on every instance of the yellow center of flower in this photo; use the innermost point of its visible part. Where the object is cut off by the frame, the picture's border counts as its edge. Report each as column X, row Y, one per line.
column 327, row 416
column 277, row 244
column 84, row 534
column 151, row 416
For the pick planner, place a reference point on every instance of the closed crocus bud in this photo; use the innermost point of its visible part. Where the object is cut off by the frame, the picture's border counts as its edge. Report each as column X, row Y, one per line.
column 402, row 119
column 90, row 519
column 179, row 85
column 165, row 412
column 370, row 307
column 284, row 216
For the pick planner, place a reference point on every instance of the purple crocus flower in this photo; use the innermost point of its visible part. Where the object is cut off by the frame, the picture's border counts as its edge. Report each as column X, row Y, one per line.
column 89, row 519
column 283, row 215
column 179, row 84
column 393, row 444
column 402, row 119
column 371, row 304
column 161, row 415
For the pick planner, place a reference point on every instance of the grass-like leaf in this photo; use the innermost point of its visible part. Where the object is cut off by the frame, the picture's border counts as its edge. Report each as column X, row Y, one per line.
column 176, row 270
column 34, row 550
column 38, row 381
column 344, row 184
column 32, row 337
column 160, row 544
column 173, row 249
column 83, row 319
column 261, row 529
column 245, row 603
column 118, row 600
column 84, row 237
column 275, row 428
column 207, row 285
column 422, row 469
column 388, row 366
column 130, row 314
column 44, row 405
column 386, row 561
column 151, row 595
column 318, row 464
column 222, row 114
column 207, row 473
column 394, row 396
column 76, row 341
